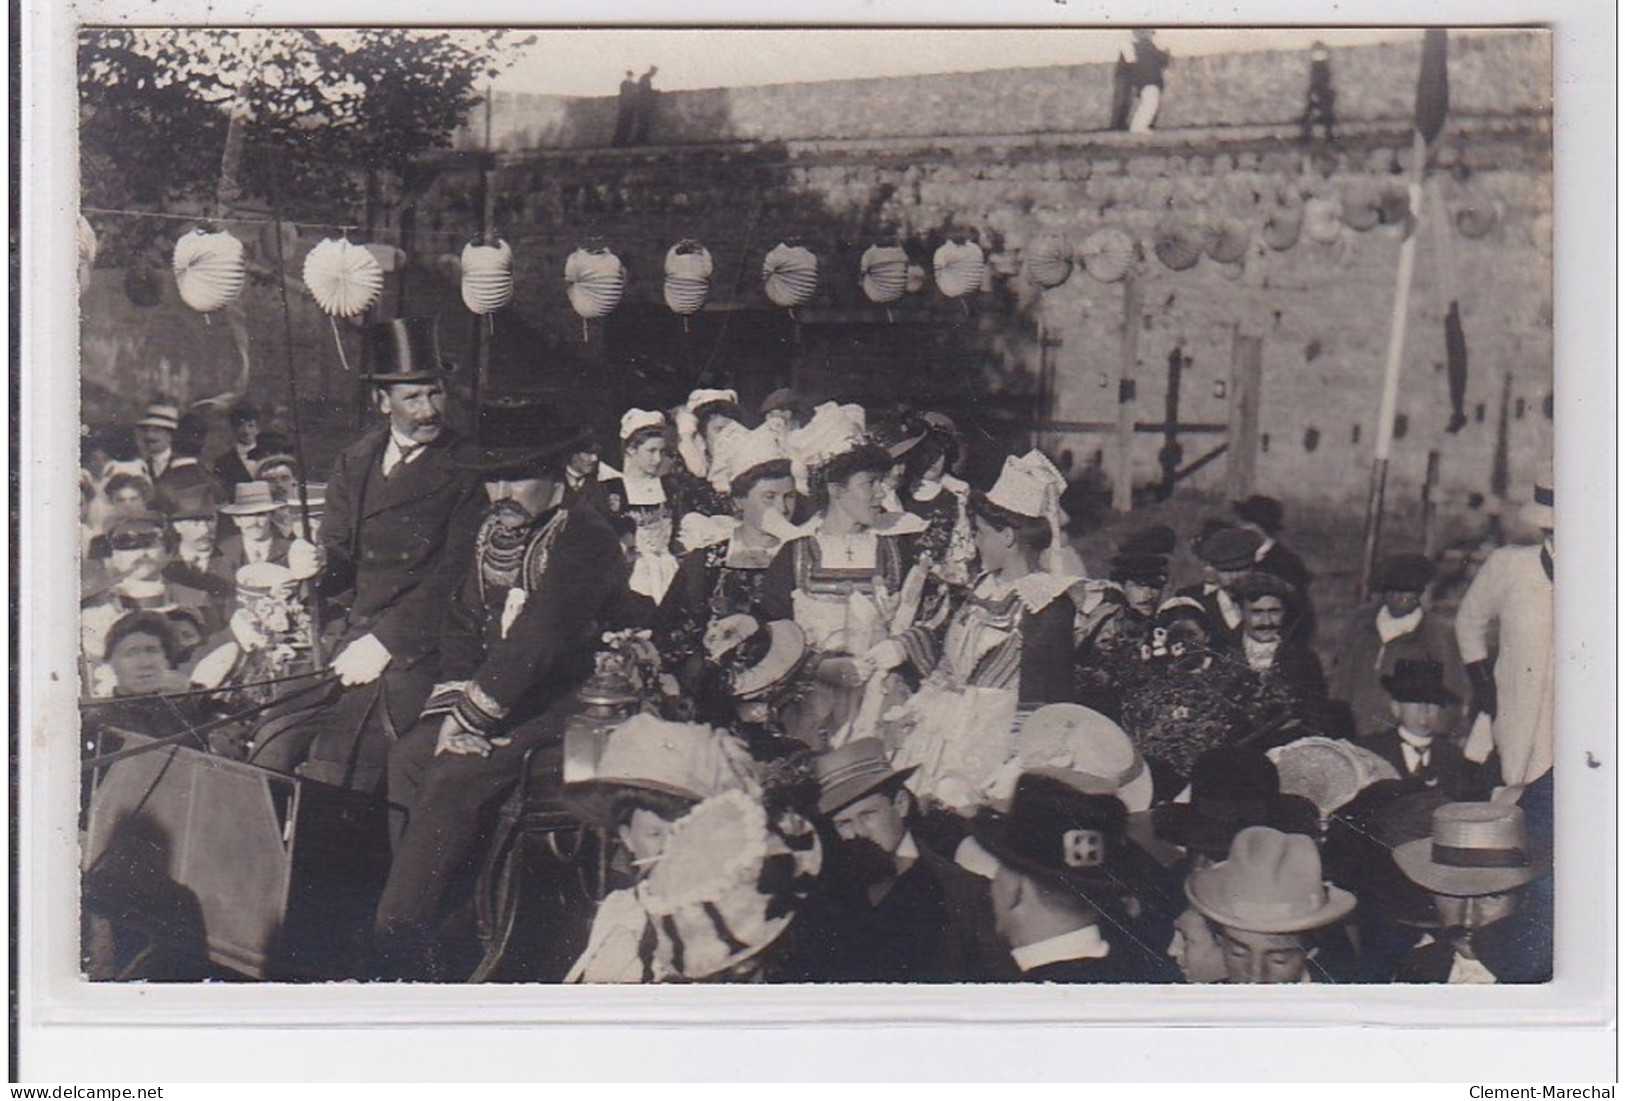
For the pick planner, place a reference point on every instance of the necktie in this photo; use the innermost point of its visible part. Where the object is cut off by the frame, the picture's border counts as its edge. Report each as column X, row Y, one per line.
column 395, row 455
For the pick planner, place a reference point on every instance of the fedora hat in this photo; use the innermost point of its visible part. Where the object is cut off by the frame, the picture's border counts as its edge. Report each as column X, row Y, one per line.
column 521, row 437
column 1476, row 849
column 856, row 769
column 1228, row 548
column 1406, row 573
column 251, row 498
column 1056, row 831
column 1418, row 681
column 160, row 414
column 406, row 349
column 1232, row 787
column 1269, row 883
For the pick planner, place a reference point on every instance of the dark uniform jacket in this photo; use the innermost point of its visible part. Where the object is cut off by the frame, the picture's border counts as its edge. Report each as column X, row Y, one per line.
column 572, row 574
column 398, row 544
column 231, row 470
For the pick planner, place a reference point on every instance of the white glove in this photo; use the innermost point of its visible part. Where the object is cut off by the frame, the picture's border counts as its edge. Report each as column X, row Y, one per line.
column 361, row 662
column 304, row 559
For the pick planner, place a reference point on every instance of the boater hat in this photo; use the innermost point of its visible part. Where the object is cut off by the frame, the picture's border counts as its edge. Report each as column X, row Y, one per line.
column 856, row 769
column 160, row 414
column 406, row 349
column 1270, row 883
column 251, row 498
column 1476, row 849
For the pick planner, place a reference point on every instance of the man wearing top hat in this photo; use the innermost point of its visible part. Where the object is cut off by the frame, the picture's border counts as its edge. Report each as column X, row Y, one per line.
column 1057, row 892
column 400, row 519
column 888, row 909
column 518, row 639
column 1478, row 865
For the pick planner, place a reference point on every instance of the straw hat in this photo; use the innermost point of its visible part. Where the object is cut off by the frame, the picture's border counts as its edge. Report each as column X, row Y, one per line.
column 688, row 760
column 1328, row 772
column 1096, row 752
column 251, row 498
column 1476, row 849
column 160, row 414
column 856, row 769
column 1270, row 883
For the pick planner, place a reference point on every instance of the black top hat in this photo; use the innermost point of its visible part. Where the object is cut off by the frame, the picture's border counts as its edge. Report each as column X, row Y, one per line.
column 406, row 349
column 1057, row 832
column 1266, row 512
column 521, row 437
column 1408, row 573
column 1418, row 682
column 1232, row 787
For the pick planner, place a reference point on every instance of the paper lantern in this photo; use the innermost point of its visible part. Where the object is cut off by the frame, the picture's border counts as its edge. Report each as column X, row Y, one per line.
column 344, row 279
column 916, row 279
column 1282, row 227
column 1322, row 220
column 1048, row 260
column 1228, row 239
column 1362, row 204
column 487, row 277
column 688, row 277
column 87, row 251
column 1178, row 244
column 1107, row 254
column 959, row 267
column 1475, row 217
column 884, row 272
column 790, row 274
column 209, row 269
column 596, row 279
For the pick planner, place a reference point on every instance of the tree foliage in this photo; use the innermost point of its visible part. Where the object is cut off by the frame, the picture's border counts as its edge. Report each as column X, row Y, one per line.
column 321, row 113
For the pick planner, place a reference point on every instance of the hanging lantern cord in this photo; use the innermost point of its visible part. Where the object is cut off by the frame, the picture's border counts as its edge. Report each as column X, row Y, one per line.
column 333, row 323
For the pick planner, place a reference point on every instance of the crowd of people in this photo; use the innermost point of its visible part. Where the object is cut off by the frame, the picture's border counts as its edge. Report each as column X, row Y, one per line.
column 891, row 727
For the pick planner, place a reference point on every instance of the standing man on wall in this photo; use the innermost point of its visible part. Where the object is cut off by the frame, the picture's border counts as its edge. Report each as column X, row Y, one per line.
column 398, row 530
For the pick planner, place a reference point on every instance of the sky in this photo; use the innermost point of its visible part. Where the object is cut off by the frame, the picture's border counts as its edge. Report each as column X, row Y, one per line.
column 590, row 62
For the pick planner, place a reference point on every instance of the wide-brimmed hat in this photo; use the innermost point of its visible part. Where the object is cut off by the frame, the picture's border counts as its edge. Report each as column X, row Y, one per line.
column 1071, row 738
column 1228, row 548
column 1476, row 849
column 689, row 760
column 251, row 498
column 405, row 349
column 1406, row 573
column 726, row 886
column 1329, row 772
column 1232, row 787
column 520, row 437
column 899, row 437
column 1266, row 512
column 758, row 658
column 1056, row 831
column 264, row 579
column 160, row 414
column 1269, row 883
column 1418, row 681
column 856, row 769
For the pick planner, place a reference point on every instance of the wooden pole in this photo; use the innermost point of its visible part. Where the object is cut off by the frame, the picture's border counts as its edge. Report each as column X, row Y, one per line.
column 1246, row 385
column 1390, row 377
column 1430, row 536
column 1123, row 480
column 1171, row 454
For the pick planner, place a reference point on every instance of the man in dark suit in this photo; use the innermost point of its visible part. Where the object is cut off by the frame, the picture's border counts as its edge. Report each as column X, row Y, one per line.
column 888, row 909
column 400, row 520
column 1060, row 853
column 517, row 642
column 232, row 467
column 1265, row 516
column 1418, row 699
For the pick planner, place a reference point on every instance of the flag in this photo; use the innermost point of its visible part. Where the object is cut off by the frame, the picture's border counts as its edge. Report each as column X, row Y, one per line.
column 1432, row 85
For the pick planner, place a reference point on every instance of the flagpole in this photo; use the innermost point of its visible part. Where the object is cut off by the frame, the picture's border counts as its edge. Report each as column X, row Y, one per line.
column 1432, row 104
column 1390, row 377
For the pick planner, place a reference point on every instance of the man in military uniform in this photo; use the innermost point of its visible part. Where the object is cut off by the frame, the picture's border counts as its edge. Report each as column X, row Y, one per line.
column 518, row 640
column 401, row 514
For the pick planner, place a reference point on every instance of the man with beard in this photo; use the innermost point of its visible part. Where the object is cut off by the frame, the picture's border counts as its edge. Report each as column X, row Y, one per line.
column 888, row 910
column 518, row 640
column 140, row 549
column 400, row 519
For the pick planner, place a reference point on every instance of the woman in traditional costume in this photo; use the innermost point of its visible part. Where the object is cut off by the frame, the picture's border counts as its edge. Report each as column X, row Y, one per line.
column 1007, row 648
column 649, row 499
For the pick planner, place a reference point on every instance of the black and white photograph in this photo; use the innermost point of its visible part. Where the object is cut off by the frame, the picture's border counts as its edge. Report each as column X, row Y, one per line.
column 818, row 506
